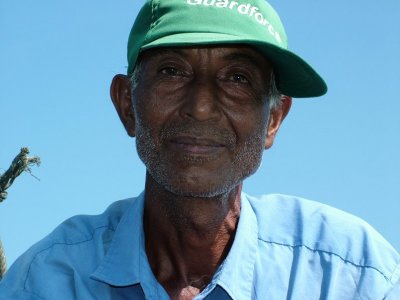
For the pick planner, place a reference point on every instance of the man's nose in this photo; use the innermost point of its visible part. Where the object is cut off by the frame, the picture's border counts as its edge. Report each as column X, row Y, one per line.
column 202, row 101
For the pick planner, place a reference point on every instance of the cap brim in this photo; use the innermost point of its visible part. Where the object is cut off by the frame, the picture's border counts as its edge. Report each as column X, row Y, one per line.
column 295, row 77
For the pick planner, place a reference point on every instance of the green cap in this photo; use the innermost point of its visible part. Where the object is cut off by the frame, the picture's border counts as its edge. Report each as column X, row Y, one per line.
column 177, row 23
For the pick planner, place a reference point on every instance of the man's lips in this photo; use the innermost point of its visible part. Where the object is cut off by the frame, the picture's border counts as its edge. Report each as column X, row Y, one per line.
column 196, row 145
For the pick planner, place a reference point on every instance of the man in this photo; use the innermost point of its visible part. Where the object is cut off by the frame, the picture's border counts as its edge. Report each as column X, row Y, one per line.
column 204, row 98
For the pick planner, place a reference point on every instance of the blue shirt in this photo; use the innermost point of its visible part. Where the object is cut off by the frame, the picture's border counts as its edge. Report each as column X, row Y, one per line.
column 285, row 248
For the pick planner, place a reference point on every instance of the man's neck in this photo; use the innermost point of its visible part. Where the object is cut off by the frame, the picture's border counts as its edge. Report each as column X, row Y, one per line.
column 187, row 238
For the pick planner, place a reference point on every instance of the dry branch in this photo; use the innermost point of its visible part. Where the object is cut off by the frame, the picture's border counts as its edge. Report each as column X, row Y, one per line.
column 22, row 162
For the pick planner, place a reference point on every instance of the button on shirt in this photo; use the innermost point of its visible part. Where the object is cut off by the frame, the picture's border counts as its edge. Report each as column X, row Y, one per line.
column 285, row 248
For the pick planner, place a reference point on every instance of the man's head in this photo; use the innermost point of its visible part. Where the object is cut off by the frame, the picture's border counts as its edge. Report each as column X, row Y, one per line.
column 203, row 109
column 201, row 116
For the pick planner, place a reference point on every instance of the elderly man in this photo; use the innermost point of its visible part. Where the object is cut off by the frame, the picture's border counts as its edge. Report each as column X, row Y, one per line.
column 204, row 98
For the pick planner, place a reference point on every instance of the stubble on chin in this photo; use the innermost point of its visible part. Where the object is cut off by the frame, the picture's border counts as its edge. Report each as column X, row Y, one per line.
column 246, row 160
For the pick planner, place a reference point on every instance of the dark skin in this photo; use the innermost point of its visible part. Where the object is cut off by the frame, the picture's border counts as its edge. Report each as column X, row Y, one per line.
column 201, row 122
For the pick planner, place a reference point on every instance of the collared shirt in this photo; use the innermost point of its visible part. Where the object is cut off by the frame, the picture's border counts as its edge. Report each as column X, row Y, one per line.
column 285, row 248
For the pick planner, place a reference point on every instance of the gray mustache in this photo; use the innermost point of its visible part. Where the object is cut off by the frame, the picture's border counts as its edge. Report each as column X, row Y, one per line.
column 199, row 130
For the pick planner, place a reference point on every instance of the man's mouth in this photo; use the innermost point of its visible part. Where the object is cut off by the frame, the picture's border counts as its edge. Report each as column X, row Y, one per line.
column 196, row 145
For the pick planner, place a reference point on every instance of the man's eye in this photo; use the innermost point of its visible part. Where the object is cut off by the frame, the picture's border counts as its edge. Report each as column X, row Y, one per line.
column 238, row 78
column 171, row 71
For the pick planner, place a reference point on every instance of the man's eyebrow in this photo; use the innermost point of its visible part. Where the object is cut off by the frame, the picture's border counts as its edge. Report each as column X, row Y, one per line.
column 164, row 51
column 239, row 56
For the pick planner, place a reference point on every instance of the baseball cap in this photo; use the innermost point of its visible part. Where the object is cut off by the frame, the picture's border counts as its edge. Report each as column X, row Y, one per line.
column 179, row 23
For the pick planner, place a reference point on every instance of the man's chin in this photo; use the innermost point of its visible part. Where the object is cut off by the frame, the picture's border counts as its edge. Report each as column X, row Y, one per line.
column 190, row 191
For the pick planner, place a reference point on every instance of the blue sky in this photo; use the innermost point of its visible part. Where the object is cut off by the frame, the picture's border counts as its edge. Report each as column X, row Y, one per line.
column 58, row 58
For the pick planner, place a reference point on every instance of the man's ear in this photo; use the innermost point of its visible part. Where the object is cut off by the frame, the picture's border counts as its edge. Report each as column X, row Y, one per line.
column 276, row 117
column 120, row 92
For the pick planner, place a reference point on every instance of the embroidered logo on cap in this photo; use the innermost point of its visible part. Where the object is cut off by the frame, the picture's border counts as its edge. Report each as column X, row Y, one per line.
column 244, row 9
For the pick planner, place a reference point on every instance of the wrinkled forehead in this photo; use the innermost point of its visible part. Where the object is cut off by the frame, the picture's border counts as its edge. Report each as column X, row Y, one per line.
column 223, row 52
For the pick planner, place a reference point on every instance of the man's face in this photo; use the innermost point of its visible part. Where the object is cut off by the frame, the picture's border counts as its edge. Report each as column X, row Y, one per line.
column 201, row 117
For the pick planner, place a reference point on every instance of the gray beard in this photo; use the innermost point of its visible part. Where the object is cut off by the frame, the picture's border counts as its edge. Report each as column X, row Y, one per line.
column 245, row 163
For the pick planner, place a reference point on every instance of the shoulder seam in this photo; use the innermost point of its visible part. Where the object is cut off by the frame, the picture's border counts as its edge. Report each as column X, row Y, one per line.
column 33, row 293
column 59, row 243
column 331, row 253
column 396, row 273
column 24, row 292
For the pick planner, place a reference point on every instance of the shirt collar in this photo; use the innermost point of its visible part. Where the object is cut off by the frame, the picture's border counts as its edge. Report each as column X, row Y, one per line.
column 235, row 275
column 120, row 265
column 126, row 261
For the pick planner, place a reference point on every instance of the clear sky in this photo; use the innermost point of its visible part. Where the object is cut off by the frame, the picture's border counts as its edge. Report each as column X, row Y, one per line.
column 57, row 59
